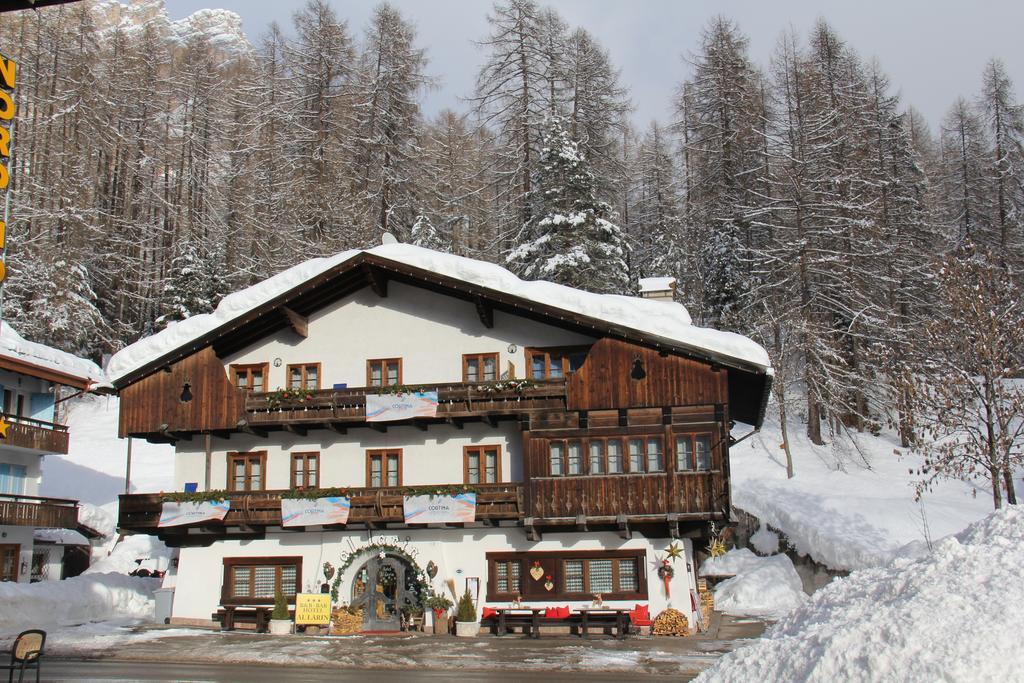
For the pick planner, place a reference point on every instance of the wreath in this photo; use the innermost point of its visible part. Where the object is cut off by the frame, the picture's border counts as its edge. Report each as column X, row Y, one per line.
column 348, row 558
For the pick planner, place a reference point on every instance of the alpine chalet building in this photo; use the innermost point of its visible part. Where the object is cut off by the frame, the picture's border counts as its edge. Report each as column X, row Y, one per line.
column 396, row 420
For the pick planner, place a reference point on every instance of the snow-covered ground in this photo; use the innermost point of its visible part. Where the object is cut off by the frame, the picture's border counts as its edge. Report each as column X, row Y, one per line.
column 851, row 503
column 954, row 614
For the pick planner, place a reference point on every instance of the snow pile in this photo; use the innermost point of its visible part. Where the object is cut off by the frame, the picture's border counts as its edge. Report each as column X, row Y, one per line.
column 765, row 541
column 657, row 284
column 13, row 345
column 763, row 586
column 131, row 553
column 851, row 504
column 952, row 615
column 59, row 537
column 667, row 320
column 94, row 597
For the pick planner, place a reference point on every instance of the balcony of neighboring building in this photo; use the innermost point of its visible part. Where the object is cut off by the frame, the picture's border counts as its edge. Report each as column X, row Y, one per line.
column 32, row 434
column 33, row 511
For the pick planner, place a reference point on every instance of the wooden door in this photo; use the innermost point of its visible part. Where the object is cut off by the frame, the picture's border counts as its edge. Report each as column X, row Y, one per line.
column 10, row 556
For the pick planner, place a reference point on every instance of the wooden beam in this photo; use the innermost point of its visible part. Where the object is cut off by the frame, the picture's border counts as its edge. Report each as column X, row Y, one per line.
column 673, row 524
column 376, row 279
column 485, row 311
column 221, row 433
column 491, row 419
column 421, row 425
column 378, row 427
column 243, row 426
column 532, row 533
column 299, row 323
column 623, row 524
column 454, row 422
column 295, row 429
column 333, row 427
column 623, row 417
column 581, row 523
column 179, row 436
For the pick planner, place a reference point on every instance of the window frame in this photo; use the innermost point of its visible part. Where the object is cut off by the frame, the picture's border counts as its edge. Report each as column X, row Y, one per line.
column 625, row 462
column 481, row 450
column 238, row 368
column 692, row 456
column 249, row 457
column 547, row 352
column 303, row 370
column 554, row 564
column 231, row 563
column 305, row 457
column 384, row 454
column 383, row 371
column 480, row 358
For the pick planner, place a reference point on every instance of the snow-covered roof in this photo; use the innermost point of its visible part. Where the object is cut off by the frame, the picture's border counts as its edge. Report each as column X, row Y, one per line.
column 670, row 321
column 657, row 284
column 59, row 537
column 14, row 346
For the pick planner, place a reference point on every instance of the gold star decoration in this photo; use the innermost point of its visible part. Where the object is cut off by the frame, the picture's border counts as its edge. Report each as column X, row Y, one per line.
column 674, row 551
column 4, row 426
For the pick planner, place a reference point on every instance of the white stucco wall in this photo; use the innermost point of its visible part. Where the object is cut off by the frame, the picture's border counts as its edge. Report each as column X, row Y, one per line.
column 429, row 331
column 458, row 553
column 428, row 457
column 21, row 535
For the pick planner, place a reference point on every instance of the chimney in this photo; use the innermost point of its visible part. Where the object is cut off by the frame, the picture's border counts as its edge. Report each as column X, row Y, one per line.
column 658, row 288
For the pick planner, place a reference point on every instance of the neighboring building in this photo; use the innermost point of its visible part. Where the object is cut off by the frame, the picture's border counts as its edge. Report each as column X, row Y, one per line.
column 613, row 447
column 33, row 378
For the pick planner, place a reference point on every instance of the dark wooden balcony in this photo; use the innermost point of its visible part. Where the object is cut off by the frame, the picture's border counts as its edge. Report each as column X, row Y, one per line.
column 36, row 435
column 684, row 495
column 48, row 513
column 140, row 512
column 456, row 402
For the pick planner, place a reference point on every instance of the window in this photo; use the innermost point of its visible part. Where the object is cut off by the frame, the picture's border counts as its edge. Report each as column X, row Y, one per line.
column 383, row 468
column 574, row 461
column 506, row 575
column 12, row 479
column 556, row 457
column 383, row 372
column 577, row 575
column 554, row 363
column 255, row 580
column 480, row 367
column 247, row 471
column 614, row 456
column 693, row 452
column 305, row 376
column 250, row 377
column 597, row 457
column 305, row 470
column 481, row 464
column 646, row 454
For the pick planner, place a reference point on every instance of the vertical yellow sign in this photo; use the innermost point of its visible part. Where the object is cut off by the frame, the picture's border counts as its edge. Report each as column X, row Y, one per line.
column 8, row 108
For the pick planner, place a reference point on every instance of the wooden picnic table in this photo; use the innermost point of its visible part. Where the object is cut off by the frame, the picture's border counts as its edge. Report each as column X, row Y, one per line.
column 531, row 620
column 621, row 619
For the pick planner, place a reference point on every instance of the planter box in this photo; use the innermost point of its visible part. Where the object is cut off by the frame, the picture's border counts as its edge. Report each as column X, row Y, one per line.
column 280, row 627
column 467, row 629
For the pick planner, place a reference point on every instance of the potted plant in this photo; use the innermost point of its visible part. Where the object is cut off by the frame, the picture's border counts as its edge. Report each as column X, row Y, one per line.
column 439, row 605
column 280, row 620
column 466, row 625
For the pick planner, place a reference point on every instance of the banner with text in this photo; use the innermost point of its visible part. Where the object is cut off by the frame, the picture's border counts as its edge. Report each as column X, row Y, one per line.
column 312, row 609
column 439, row 509
column 389, row 407
column 302, row 512
column 178, row 514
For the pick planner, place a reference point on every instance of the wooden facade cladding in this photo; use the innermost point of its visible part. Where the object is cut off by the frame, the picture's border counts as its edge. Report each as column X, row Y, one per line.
column 36, row 435
column 48, row 513
column 154, row 404
column 618, row 374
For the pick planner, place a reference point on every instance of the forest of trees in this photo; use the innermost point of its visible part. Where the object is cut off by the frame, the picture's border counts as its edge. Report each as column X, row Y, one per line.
column 158, row 165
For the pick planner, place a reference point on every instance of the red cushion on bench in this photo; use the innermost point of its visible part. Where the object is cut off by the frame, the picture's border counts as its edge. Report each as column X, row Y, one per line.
column 640, row 615
column 564, row 612
column 488, row 613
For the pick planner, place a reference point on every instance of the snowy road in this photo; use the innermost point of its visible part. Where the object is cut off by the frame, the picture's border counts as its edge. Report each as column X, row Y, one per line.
column 107, row 670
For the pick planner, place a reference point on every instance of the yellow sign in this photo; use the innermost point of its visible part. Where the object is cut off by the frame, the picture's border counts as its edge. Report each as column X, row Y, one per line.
column 312, row 609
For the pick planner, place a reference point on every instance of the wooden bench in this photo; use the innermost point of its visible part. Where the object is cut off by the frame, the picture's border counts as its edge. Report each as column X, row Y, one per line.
column 231, row 615
column 530, row 619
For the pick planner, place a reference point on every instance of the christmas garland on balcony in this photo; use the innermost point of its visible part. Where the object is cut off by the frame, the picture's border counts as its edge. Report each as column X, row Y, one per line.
column 516, row 385
column 313, row 494
column 383, row 549
column 279, row 396
column 197, row 496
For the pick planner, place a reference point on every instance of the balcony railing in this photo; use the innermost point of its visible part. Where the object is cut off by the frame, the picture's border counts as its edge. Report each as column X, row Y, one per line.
column 48, row 513
column 141, row 511
column 455, row 401
column 24, row 432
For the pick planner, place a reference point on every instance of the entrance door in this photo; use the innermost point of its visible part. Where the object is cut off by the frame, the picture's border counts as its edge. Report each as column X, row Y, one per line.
column 383, row 587
column 10, row 555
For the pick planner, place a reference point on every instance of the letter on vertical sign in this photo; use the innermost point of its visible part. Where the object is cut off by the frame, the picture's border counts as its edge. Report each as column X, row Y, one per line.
column 8, row 72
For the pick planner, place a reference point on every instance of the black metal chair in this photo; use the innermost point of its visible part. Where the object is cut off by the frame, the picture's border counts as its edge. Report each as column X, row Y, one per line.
column 25, row 654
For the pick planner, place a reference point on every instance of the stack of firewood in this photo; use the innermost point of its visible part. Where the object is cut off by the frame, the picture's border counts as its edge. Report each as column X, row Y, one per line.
column 345, row 622
column 707, row 600
column 671, row 622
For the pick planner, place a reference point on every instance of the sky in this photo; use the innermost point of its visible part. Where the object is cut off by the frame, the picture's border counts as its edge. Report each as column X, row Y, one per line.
column 933, row 50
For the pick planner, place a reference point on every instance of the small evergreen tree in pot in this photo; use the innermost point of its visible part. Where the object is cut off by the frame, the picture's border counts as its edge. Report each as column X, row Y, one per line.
column 280, row 619
column 466, row 624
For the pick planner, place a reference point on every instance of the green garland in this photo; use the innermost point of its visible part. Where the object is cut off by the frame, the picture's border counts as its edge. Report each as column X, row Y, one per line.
column 422, row 583
column 442, row 490
column 312, row 494
column 517, row 385
column 214, row 496
column 279, row 396
column 396, row 389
